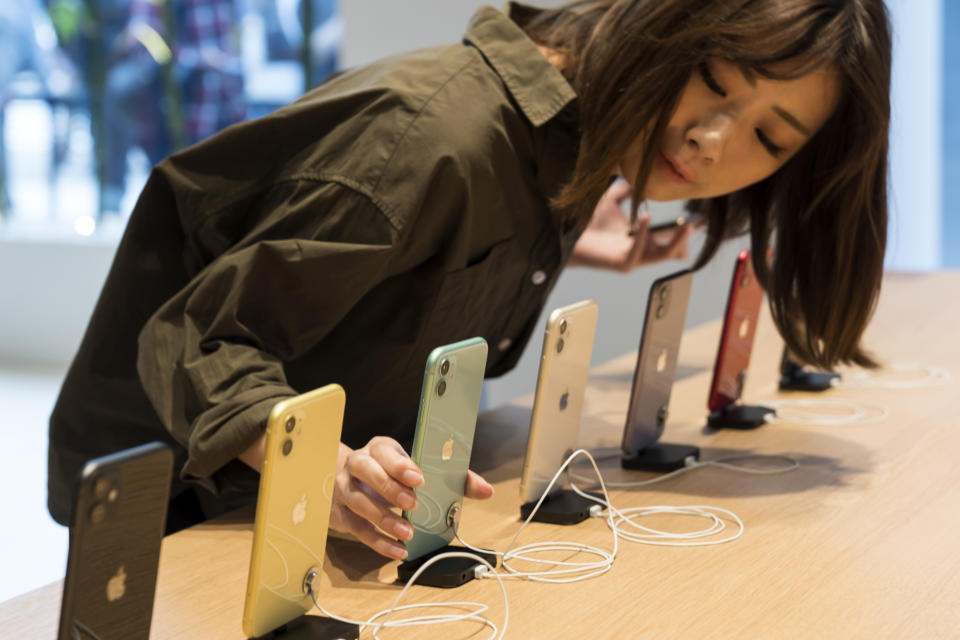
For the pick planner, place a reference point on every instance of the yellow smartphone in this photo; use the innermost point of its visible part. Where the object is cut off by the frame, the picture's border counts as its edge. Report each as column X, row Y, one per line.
column 293, row 507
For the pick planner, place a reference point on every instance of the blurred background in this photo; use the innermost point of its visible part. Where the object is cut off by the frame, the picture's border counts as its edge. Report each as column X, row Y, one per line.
column 94, row 92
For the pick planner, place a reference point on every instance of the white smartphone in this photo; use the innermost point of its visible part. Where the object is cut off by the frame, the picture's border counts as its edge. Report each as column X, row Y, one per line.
column 558, row 404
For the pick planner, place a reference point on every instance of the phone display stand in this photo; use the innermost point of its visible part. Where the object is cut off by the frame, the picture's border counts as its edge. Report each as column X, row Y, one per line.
column 563, row 506
column 660, row 457
column 446, row 573
column 308, row 627
column 796, row 378
column 739, row 416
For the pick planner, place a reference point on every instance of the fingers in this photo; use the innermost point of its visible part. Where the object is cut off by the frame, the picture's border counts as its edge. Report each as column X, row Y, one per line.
column 619, row 191
column 395, row 461
column 348, row 521
column 676, row 248
column 477, row 488
column 361, row 500
column 367, row 466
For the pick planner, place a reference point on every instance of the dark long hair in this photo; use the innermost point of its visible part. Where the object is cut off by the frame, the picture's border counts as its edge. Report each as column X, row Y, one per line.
column 629, row 61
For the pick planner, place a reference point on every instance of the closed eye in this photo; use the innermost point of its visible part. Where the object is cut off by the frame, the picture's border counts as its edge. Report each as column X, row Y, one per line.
column 774, row 150
column 710, row 81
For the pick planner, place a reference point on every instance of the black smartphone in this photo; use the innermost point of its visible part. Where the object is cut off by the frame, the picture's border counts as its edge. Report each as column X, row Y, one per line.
column 119, row 515
column 669, row 225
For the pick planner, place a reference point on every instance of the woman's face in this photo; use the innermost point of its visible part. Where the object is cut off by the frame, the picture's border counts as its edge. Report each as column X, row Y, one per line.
column 733, row 128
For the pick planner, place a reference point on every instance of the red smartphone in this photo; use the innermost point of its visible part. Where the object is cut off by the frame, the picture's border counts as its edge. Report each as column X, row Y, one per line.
column 736, row 339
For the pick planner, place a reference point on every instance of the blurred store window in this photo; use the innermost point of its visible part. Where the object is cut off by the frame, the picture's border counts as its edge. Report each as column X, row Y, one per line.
column 95, row 92
column 951, row 138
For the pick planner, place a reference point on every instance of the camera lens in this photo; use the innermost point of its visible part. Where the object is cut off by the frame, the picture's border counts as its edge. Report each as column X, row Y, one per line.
column 287, row 446
column 100, row 488
column 291, row 423
column 563, row 326
column 442, row 388
column 444, row 367
column 664, row 290
column 98, row 513
column 559, row 345
column 661, row 310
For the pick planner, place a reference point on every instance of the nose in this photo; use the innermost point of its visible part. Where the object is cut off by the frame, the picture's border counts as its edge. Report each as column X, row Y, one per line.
column 709, row 136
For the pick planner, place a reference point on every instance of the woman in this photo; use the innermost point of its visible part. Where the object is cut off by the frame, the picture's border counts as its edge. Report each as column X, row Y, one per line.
column 437, row 195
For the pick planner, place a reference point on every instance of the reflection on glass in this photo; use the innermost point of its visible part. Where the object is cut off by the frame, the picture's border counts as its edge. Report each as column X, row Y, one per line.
column 95, row 92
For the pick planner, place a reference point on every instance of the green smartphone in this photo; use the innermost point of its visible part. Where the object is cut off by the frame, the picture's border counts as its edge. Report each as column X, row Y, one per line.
column 449, row 401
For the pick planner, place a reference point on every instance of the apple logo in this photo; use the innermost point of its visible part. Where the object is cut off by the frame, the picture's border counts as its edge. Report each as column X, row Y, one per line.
column 564, row 399
column 662, row 361
column 117, row 585
column 447, row 452
column 300, row 510
column 744, row 327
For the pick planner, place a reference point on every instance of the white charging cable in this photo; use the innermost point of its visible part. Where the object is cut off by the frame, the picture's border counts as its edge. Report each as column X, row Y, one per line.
column 932, row 377
column 423, row 620
column 827, row 412
column 647, row 535
column 692, row 463
column 622, row 522
column 571, row 571
column 625, row 525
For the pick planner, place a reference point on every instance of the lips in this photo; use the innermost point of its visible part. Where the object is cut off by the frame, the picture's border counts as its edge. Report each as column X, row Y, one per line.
column 674, row 168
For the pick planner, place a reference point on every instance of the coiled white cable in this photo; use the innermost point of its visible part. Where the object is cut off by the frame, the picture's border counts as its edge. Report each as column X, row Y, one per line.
column 571, row 571
column 646, row 535
column 933, row 377
column 473, row 615
column 831, row 413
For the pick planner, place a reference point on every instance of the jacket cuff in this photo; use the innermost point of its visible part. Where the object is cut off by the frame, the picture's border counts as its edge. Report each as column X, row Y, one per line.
column 216, row 440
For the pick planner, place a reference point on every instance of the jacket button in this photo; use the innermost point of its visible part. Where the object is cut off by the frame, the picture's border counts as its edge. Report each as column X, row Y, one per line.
column 538, row 277
column 504, row 344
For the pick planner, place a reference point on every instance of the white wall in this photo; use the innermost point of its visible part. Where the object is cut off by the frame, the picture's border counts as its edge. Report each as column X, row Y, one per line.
column 47, row 293
column 916, row 158
column 375, row 28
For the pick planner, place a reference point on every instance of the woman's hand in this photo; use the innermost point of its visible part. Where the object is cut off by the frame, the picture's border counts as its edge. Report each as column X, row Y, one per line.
column 371, row 483
column 607, row 242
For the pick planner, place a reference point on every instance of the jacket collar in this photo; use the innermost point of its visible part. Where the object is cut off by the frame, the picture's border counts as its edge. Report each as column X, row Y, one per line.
column 539, row 88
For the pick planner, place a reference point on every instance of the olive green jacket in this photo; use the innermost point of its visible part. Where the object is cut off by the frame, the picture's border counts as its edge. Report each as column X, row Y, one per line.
column 397, row 207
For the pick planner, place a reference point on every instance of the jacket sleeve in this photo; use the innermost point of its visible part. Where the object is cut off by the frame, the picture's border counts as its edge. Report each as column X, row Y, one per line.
column 211, row 358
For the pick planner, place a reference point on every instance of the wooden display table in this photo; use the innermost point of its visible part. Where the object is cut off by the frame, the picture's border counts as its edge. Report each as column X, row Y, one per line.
column 863, row 540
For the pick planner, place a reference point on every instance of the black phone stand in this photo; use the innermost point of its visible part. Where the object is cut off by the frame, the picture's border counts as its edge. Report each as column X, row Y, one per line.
column 739, row 416
column 793, row 377
column 446, row 573
column 660, row 457
column 564, row 506
column 308, row 627
column 796, row 378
